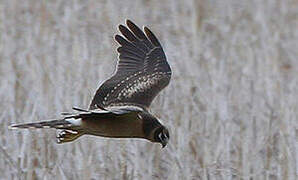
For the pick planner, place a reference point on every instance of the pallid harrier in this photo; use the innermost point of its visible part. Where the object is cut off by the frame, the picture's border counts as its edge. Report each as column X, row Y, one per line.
column 119, row 108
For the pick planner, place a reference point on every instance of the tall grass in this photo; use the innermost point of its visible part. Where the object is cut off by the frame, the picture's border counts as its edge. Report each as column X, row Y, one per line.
column 231, row 106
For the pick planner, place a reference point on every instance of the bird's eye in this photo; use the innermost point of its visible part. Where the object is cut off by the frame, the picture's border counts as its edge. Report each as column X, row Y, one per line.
column 161, row 136
column 166, row 136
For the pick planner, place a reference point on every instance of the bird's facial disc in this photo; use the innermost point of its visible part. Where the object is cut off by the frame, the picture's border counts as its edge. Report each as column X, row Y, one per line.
column 164, row 137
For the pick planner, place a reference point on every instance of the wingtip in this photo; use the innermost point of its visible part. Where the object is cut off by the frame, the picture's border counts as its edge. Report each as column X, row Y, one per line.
column 120, row 27
column 146, row 28
column 117, row 37
column 128, row 21
column 131, row 24
column 151, row 36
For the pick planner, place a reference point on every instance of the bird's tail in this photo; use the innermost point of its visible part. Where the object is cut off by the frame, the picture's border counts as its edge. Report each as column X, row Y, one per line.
column 57, row 124
column 70, row 126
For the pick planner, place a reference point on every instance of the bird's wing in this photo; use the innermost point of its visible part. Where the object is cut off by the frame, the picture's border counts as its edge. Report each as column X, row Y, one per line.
column 110, row 111
column 142, row 70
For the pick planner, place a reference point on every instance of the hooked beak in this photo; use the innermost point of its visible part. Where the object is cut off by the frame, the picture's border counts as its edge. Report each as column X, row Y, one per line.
column 164, row 142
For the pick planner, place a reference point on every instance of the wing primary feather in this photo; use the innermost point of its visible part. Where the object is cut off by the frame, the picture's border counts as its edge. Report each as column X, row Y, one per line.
column 124, row 49
column 131, row 53
column 131, row 49
column 151, row 36
column 79, row 109
column 136, row 30
column 141, row 63
column 123, row 42
column 139, row 34
column 127, row 33
column 127, row 56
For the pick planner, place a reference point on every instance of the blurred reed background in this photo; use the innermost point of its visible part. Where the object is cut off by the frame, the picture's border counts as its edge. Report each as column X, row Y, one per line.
column 231, row 106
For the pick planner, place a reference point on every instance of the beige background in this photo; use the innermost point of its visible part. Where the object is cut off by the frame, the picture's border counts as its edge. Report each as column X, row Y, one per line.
column 231, row 106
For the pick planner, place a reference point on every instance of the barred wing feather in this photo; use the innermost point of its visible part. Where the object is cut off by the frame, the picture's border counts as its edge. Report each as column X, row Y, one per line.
column 142, row 70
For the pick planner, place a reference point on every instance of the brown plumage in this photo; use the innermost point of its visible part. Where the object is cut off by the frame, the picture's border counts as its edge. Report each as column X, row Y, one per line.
column 119, row 108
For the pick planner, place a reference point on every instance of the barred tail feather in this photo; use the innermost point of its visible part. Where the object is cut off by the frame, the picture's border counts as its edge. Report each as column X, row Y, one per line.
column 57, row 124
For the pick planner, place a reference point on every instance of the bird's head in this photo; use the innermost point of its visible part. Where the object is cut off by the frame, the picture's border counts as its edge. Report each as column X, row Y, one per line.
column 162, row 136
column 153, row 129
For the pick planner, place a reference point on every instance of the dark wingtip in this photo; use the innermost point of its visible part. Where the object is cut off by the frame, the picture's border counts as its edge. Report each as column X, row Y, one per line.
column 135, row 29
column 121, row 27
column 120, row 39
column 128, row 21
column 131, row 25
column 117, row 37
column 151, row 36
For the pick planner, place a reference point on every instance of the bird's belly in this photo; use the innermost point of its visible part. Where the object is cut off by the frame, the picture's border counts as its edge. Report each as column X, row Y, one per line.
column 117, row 127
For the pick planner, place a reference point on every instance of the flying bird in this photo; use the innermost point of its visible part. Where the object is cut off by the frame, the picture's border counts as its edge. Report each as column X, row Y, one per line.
column 120, row 107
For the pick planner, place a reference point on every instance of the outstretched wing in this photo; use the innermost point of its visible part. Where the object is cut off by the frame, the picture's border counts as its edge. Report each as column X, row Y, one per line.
column 142, row 70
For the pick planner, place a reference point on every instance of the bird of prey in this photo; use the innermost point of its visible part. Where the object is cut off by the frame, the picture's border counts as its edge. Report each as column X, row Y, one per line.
column 119, row 108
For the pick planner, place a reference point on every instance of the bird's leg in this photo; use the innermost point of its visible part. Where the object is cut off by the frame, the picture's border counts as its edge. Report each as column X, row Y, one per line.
column 68, row 136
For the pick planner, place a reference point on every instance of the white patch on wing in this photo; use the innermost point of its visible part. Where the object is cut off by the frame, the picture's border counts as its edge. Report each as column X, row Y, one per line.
column 100, row 111
column 124, row 107
column 72, row 132
column 74, row 121
column 140, row 85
